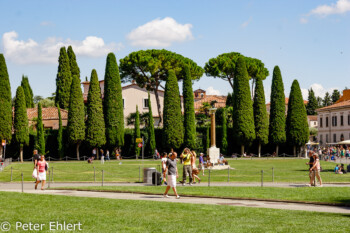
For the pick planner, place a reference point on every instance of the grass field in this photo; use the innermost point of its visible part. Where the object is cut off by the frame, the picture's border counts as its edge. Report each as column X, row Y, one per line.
column 285, row 170
column 339, row 195
column 107, row 215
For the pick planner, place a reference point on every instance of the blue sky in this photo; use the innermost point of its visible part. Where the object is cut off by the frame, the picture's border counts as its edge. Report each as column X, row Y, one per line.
column 308, row 40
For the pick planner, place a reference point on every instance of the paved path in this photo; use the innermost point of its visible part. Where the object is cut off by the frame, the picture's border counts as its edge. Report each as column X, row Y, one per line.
column 28, row 188
column 30, row 185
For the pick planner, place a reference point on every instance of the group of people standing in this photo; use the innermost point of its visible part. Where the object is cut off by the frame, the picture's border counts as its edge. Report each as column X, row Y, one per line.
column 169, row 169
column 104, row 156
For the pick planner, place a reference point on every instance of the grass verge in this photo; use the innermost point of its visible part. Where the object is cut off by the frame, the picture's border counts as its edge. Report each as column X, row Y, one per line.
column 108, row 215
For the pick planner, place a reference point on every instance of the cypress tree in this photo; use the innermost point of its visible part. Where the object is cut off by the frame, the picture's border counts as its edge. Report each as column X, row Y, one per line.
column 297, row 128
column 63, row 80
column 207, row 139
column 277, row 134
column 173, row 125
column 243, row 122
column 28, row 92
column 327, row 100
column 113, row 104
column 60, row 134
column 5, row 104
column 95, row 124
column 76, row 115
column 20, row 125
column 260, row 115
column 224, row 133
column 335, row 96
column 74, row 68
column 312, row 104
column 151, row 135
column 189, row 114
column 40, row 131
column 137, row 133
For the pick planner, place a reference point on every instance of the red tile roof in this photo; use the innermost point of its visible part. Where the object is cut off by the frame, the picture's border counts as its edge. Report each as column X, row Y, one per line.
column 286, row 100
column 221, row 101
column 344, row 97
column 49, row 113
column 342, row 104
column 312, row 118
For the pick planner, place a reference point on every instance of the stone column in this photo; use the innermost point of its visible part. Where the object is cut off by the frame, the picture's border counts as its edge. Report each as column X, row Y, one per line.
column 212, row 127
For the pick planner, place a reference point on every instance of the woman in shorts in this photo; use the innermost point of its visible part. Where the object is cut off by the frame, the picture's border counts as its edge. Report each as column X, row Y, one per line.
column 41, row 165
column 316, row 168
column 195, row 170
column 171, row 169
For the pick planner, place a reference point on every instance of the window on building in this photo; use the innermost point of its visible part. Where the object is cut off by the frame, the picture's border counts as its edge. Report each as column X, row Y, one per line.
column 341, row 120
column 349, row 119
column 321, row 138
column 145, row 103
column 341, row 137
column 334, row 138
column 202, row 95
column 326, row 121
column 321, row 122
column 123, row 103
column 334, row 120
column 314, row 122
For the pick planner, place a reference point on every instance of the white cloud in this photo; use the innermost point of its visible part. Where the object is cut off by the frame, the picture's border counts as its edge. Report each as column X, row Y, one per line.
column 303, row 20
column 246, row 23
column 160, row 33
column 341, row 7
column 212, row 91
column 318, row 89
column 30, row 51
column 46, row 23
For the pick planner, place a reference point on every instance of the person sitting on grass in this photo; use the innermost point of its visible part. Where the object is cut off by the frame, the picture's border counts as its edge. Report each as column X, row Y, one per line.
column 171, row 169
column 336, row 169
column 222, row 160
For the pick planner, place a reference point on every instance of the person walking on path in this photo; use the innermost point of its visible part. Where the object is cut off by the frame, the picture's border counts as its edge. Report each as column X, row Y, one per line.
column 195, row 170
column 107, row 155
column 187, row 165
column 201, row 163
column 164, row 159
column 36, row 158
column 102, row 157
column 41, row 168
column 311, row 173
column 316, row 168
column 171, row 169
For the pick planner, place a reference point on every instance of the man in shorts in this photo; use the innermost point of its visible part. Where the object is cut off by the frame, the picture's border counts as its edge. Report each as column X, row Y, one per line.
column 171, row 168
column 311, row 172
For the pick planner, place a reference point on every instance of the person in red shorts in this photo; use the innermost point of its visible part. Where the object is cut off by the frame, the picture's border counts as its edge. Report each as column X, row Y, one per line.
column 41, row 165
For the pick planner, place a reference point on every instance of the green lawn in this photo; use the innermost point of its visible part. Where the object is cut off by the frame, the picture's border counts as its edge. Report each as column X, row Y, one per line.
column 107, row 215
column 285, row 170
column 339, row 195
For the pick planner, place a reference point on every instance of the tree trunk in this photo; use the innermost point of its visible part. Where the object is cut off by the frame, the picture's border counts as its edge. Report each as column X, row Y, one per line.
column 276, row 150
column 295, row 151
column 78, row 145
column 21, row 153
column 158, row 105
column 97, row 154
column 1, row 150
column 242, row 150
column 259, row 150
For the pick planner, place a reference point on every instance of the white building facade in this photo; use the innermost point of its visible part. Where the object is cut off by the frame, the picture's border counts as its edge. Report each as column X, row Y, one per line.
column 334, row 123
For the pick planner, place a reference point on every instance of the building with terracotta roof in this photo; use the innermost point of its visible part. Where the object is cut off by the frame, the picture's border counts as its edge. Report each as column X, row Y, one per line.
column 286, row 100
column 312, row 121
column 201, row 97
column 50, row 117
column 134, row 95
column 334, row 121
